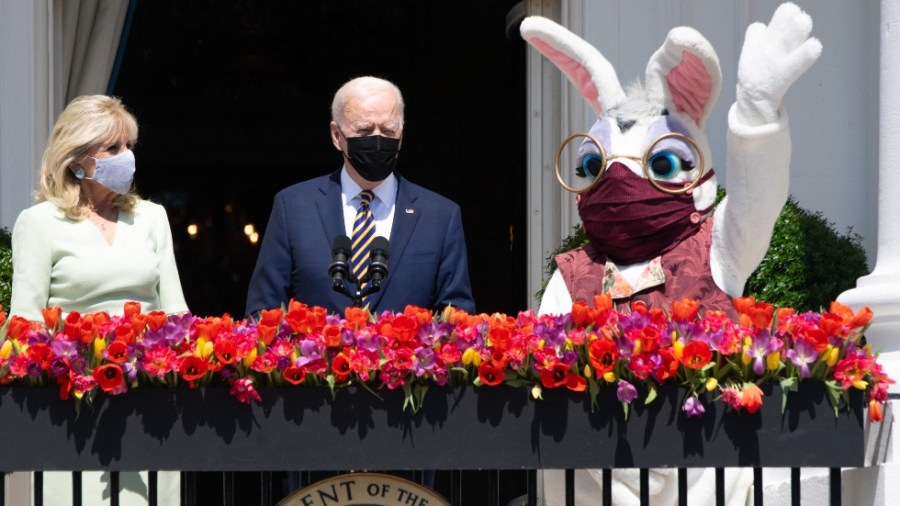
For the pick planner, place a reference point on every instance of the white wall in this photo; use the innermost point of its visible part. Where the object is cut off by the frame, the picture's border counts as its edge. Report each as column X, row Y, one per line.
column 833, row 108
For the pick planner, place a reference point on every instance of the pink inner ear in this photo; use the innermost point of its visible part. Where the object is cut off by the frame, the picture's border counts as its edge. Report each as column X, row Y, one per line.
column 573, row 70
column 690, row 85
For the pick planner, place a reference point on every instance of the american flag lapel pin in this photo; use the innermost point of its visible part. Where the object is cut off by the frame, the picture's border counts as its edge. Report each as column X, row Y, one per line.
column 410, row 210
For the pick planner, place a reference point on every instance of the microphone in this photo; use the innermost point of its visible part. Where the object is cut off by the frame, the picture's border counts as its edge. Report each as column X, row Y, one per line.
column 340, row 253
column 378, row 254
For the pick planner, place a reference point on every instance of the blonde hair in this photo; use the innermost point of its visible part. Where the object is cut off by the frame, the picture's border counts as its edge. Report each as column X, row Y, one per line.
column 361, row 86
column 86, row 123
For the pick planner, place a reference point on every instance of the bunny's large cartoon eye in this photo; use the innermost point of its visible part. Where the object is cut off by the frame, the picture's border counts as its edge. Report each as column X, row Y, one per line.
column 591, row 166
column 666, row 165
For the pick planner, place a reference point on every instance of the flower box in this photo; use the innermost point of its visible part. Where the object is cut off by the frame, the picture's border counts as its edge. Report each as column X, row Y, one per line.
column 457, row 428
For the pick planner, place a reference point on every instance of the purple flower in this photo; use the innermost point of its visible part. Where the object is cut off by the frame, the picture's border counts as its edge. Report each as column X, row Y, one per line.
column 626, row 391
column 762, row 343
column 431, row 332
column 65, row 348
column 801, row 355
column 58, row 367
column 693, row 407
column 310, row 351
column 424, row 361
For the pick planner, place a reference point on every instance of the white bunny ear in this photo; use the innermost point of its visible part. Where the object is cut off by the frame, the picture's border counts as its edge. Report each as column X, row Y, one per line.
column 588, row 70
column 684, row 74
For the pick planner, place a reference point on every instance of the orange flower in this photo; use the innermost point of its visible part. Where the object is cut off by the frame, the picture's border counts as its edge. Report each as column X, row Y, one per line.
column 754, row 314
column 860, row 319
column 696, row 355
column 294, row 375
column 51, row 317
column 404, row 328
column 602, row 354
column 751, row 397
column 582, row 315
column 71, row 325
column 270, row 317
column 685, row 310
column 17, row 327
column 132, row 308
column 499, row 338
column 2, row 315
column 225, row 351
column 138, row 323
column 266, row 332
column 117, row 352
column 192, row 368
column 555, row 375
column 156, row 320
column 875, row 411
column 333, row 336
column 109, row 377
column 125, row 333
column 356, row 317
column 490, row 374
column 421, row 315
column 603, row 301
column 576, row 383
column 294, row 305
column 340, row 366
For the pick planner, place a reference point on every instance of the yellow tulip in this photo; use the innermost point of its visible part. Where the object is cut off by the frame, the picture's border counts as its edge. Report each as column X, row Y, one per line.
column 6, row 350
column 711, row 384
column 610, row 377
column 471, row 357
column 201, row 343
column 861, row 384
column 832, row 355
column 536, row 392
column 746, row 359
column 637, row 347
column 569, row 344
column 248, row 360
column 99, row 346
column 678, row 346
column 773, row 360
column 206, row 350
column 587, row 371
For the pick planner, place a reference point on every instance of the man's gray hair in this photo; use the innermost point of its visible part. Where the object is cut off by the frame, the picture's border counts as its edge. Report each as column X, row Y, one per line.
column 361, row 86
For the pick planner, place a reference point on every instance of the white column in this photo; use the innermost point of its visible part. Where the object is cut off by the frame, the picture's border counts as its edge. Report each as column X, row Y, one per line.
column 27, row 49
column 543, row 193
column 880, row 290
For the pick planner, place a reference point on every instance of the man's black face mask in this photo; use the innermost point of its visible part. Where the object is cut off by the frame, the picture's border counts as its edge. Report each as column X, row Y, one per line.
column 374, row 157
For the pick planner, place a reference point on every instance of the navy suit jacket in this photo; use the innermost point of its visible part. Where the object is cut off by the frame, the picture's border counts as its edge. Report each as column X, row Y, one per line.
column 427, row 264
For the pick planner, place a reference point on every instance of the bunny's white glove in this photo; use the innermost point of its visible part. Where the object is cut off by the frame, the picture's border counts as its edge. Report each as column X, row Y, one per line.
column 773, row 57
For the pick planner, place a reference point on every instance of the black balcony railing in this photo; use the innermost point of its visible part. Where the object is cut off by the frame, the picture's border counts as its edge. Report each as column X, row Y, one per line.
column 458, row 430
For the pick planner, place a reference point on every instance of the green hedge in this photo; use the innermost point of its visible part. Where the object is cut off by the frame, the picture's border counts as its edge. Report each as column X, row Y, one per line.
column 5, row 268
column 807, row 266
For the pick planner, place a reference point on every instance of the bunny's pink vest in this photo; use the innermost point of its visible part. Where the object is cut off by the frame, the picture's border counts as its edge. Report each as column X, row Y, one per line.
column 686, row 268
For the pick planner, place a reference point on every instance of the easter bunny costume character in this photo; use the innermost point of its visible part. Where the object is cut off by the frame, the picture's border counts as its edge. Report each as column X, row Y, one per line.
column 647, row 189
column 648, row 209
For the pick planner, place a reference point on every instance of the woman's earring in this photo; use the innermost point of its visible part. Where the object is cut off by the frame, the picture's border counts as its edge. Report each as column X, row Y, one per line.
column 78, row 173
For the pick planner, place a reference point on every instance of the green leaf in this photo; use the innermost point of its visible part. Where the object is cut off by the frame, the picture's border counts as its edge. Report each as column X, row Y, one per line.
column 593, row 390
column 834, row 395
column 408, row 400
column 788, row 385
column 651, row 395
column 625, row 407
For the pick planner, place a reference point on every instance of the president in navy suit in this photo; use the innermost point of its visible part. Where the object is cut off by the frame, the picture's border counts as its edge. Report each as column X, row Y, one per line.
column 427, row 263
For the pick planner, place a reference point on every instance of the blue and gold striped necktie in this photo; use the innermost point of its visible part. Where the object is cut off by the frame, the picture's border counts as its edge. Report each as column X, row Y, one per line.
column 363, row 233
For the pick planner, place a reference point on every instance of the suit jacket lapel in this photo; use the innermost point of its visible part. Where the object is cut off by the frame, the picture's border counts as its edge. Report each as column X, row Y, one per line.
column 406, row 214
column 329, row 208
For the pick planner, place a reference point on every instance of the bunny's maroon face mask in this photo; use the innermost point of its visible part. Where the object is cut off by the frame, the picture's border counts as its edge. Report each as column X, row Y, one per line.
column 631, row 221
